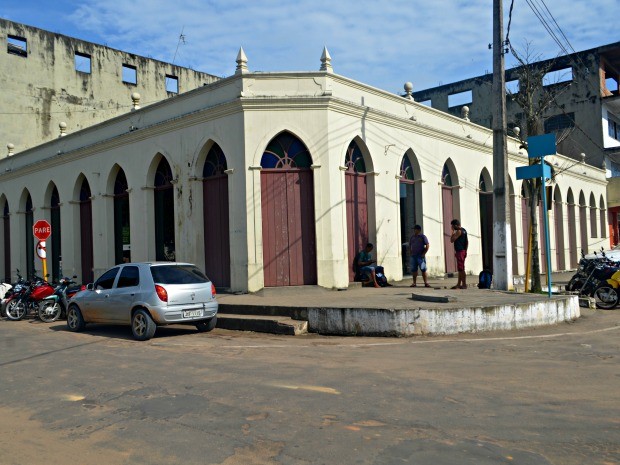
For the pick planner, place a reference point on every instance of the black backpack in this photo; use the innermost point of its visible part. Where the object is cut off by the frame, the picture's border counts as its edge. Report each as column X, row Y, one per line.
column 485, row 278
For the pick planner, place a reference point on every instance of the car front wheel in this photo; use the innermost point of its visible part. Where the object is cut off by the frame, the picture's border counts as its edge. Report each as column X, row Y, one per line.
column 75, row 320
column 142, row 325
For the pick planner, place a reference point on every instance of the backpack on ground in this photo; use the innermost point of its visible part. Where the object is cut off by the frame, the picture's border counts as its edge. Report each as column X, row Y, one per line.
column 380, row 276
column 485, row 278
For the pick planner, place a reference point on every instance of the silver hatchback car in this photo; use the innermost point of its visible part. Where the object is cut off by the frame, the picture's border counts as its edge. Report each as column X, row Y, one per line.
column 146, row 295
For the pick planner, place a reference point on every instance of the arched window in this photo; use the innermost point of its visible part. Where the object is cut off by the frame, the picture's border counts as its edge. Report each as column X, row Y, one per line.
column 354, row 160
column 286, row 151
column 55, row 237
column 215, row 164
column 165, row 248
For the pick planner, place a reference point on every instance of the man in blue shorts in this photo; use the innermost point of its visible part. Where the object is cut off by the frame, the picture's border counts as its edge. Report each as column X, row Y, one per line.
column 418, row 246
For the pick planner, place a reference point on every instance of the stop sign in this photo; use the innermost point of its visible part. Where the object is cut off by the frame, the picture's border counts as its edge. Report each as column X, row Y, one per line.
column 41, row 230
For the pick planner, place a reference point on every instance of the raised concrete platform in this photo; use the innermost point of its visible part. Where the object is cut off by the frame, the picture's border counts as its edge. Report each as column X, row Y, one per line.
column 392, row 311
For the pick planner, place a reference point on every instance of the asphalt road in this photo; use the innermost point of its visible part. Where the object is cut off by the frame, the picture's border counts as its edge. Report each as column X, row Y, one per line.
column 536, row 397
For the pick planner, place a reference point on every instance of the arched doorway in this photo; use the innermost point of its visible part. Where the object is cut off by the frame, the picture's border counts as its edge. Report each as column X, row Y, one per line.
column 56, row 234
column 287, row 197
column 572, row 229
column 603, row 213
column 513, row 229
column 558, row 216
column 86, row 232
column 356, row 191
column 410, row 202
column 583, row 223
column 215, row 217
column 122, row 231
column 593, row 224
column 30, row 268
column 449, row 199
column 6, row 230
column 165, row 249
column 525, row 223
column 485, row 195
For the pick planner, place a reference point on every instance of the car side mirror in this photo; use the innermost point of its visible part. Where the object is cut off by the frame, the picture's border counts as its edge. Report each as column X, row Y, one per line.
column 74, row 276
column 90, row 287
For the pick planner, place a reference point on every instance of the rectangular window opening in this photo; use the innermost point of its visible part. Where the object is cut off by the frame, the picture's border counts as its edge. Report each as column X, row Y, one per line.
column 611, row 84
column 427, row 102
column 130, row 74
column 172, row 84
column 613, row 129
column 461, row 98
column 559, row 122
column 512, row 87
column 17, row 46
column 558, row 76
column 82, row 63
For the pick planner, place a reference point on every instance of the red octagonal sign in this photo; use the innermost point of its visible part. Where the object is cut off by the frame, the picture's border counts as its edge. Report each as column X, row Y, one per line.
column 41, row 230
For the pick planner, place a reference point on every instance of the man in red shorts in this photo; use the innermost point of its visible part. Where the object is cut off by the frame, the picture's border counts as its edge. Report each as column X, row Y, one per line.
column 460, row 241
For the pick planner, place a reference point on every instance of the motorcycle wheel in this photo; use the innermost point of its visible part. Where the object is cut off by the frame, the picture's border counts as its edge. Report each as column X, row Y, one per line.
column 606, row 297
column 574, row 285
column 49, row 311
column 15, row 310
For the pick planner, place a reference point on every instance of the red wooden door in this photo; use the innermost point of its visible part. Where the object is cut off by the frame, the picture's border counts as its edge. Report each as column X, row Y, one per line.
column 357, row 215
column 559, row 235
column 289, row 241
column 572, row 236
column 216, row 230
column 86, row 241
column 447, row 201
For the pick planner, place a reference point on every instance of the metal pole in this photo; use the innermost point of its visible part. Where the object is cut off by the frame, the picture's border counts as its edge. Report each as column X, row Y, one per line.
column 546, row 227
column 502, row 258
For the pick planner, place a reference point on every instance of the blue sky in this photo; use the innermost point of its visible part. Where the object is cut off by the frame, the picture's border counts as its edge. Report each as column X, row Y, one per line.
column 383, row 44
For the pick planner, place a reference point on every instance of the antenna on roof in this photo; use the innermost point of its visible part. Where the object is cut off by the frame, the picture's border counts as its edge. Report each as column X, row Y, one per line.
column 181, row 40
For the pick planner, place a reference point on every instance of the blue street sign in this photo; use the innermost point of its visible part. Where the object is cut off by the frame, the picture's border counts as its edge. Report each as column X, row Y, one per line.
column 534, row 171
column 539, row 146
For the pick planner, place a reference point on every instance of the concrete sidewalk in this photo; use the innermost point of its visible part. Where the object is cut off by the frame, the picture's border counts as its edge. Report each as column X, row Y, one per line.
column 398, row 310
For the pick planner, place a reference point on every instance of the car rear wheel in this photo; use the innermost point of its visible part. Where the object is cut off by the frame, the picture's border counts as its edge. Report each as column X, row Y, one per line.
column 142, row 325
column 75, row 320
column 206, row 326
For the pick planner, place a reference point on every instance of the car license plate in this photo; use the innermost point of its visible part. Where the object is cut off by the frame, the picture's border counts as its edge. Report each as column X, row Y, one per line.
column 192, row 313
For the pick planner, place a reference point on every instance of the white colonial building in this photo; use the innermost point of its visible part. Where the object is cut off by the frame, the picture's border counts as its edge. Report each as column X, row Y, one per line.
column 276, row 179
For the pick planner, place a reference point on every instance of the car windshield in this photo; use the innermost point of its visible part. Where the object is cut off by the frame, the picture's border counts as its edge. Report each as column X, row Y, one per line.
column 178, row 274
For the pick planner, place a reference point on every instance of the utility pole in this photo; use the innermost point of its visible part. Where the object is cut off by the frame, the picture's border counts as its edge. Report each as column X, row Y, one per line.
column 502, row 253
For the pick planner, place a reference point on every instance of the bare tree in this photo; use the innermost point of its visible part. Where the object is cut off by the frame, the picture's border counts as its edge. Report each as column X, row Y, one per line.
column 533, row 99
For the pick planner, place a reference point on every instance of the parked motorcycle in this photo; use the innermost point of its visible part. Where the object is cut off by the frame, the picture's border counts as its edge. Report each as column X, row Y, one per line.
column 27, row 301
column 14, row 291
column 600, row 279
column 55, row 306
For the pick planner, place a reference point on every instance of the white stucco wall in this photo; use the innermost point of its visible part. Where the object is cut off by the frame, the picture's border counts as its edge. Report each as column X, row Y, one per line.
column 242, row 114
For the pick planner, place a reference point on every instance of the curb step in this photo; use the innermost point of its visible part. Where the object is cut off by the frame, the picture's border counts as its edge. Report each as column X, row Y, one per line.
column 262, row 324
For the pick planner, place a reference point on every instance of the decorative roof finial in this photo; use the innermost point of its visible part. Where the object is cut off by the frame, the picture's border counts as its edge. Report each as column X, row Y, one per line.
column 63, row 129
column 582, row 156
column 242, row 62
column 408, row 90
column 135, row 100
column 10, row 147
column 465, row 112
column 326, row 61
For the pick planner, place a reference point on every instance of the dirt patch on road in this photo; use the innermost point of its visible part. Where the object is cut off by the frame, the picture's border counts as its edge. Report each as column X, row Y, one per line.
column 23, row 440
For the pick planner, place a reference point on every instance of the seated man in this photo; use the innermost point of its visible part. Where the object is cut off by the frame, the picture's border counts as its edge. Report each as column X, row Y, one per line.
column 366, row 266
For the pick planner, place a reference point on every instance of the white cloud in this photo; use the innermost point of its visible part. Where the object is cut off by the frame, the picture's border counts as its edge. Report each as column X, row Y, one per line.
column 380, row 43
